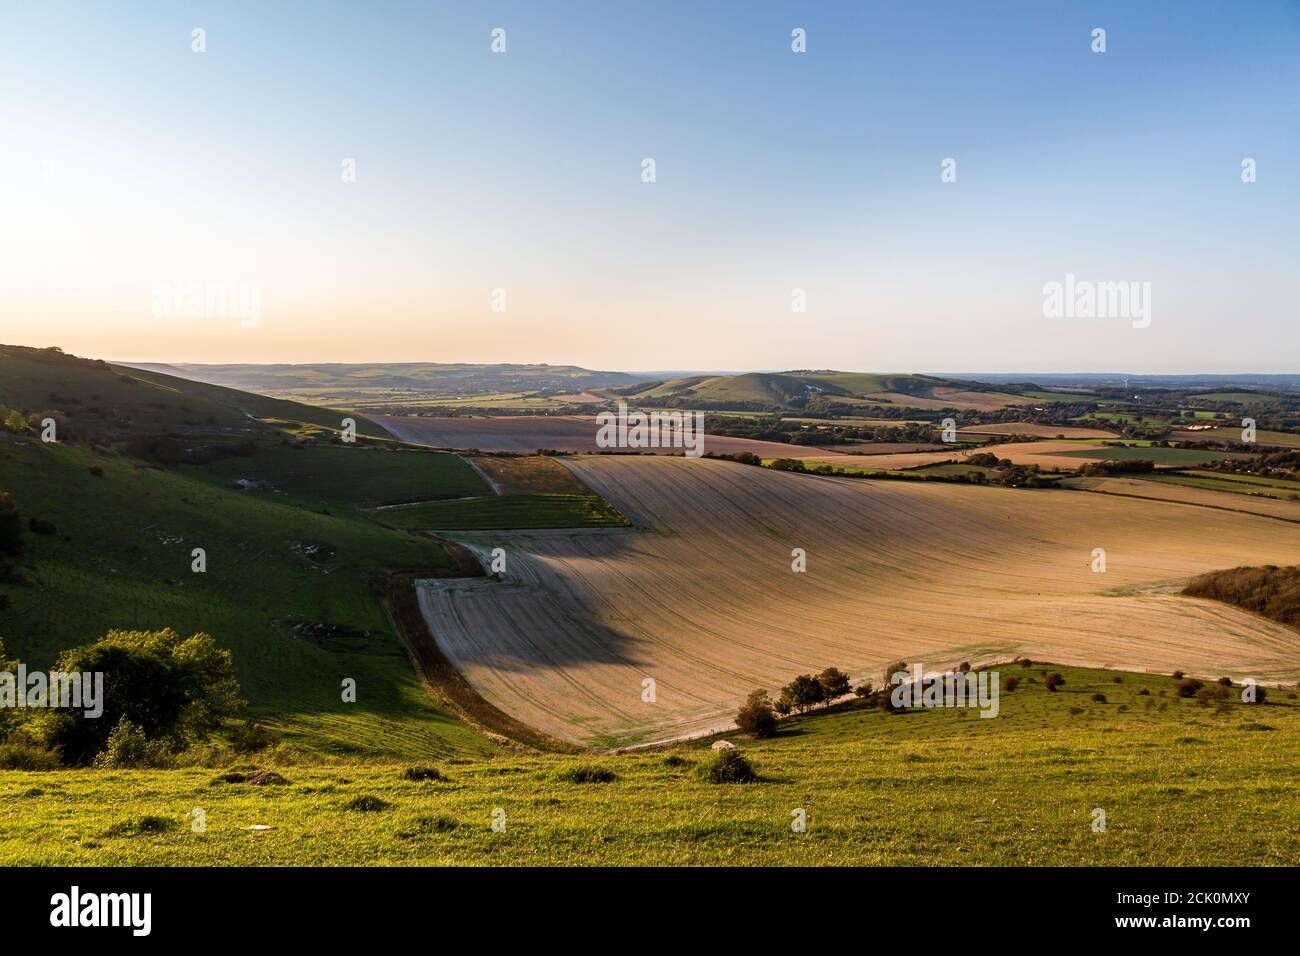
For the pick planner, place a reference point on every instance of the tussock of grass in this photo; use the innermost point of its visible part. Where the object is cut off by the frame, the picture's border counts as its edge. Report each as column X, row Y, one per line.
column 135, row 826
column 726, row 766
column 586, row 773
column 367, row 804
column 257, row 778
column 422, row 773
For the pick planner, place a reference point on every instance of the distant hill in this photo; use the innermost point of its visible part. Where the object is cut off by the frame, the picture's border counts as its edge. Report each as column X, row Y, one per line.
column 116, row 402
column 807, row 389
column 434, row 378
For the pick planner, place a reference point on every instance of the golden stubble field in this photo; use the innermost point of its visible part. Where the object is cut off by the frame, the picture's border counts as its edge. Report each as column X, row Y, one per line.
column 706, row 604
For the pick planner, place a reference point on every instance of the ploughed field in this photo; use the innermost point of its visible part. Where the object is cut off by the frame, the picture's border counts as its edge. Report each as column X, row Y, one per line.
column 705, row 603
column 569, row 433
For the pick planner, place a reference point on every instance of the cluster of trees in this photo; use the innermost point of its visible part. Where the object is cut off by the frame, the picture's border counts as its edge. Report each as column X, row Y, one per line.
column 162, row 693
column 1136, row 466
column 1278, row 464
column 1268, row 590
column 759, row 714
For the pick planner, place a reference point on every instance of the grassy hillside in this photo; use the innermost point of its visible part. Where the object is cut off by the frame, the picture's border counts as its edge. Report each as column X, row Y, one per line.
column 102, row 400
column 354, row 475
column 499, row 512
column 286, row 590
column 259, row 406
column 765, row 391
column 111, row 401
column 925, row 787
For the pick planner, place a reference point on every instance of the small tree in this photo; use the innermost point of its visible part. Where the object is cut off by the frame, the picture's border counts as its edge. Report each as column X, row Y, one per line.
column 758, row 716
column 1053, row 681
column 803, row 692
column 893, row 669
column 835, row 683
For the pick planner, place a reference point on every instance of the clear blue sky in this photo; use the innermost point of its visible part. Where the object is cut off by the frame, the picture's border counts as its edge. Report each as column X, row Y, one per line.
column 133, row 162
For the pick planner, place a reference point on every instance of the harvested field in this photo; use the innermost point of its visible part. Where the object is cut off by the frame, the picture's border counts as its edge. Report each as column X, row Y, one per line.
column 885, row 448
column 529, row 474
column 951, row 398
column 570, row 433
column 708, row 607
column 1205, row 497
column 1038, row 431
column 1044, row 454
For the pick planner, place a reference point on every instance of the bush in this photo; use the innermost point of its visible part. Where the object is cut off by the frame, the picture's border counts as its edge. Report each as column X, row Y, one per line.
column 134, row 826
column 1026, row 663
column 758, row 716
column 586, row 773
column 1076, row 711
column 1188, row 686
column 422, row 773
column 251, row 737
column 27, row 755
column 1099, row 698
column 256, row 778
column 726, row 766
column 1053, row 681
column 97, row 471
column 128, row 748
column 1177, row 675
column 176, row 690
column 366, row 804
column 1009, row 684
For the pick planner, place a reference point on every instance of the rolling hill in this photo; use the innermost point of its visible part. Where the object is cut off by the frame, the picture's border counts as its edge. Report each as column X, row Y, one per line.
column 143, row 474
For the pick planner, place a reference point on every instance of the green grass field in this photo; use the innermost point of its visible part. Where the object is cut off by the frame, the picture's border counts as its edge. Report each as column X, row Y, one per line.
column 1233, row 433
column 498, row 512
column 1268, row 488
column 357, row 475
column 1176, row 457
column 120, row 557
column 1239, row 398
column 925, row 787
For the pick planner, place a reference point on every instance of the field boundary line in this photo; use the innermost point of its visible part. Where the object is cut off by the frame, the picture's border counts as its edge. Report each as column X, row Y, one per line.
column 1191, row 504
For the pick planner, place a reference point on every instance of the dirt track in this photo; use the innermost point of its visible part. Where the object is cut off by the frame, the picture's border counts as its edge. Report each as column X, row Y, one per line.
column 708, row 607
